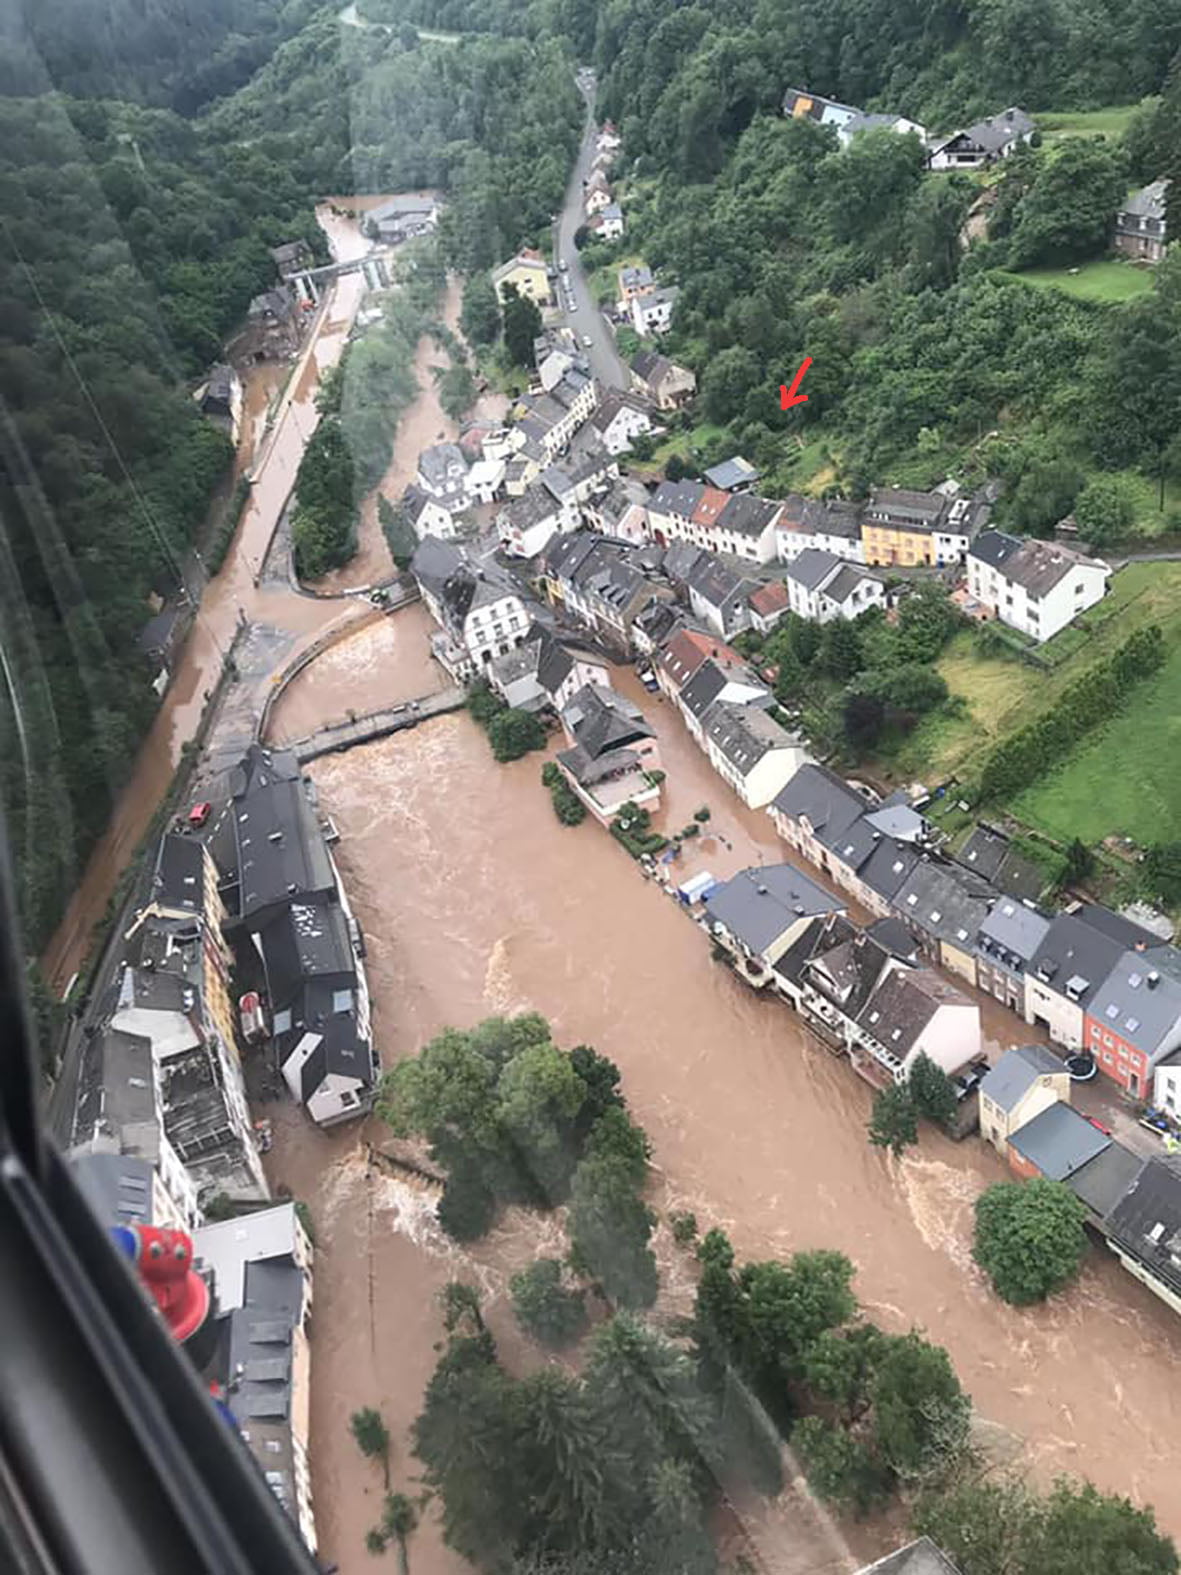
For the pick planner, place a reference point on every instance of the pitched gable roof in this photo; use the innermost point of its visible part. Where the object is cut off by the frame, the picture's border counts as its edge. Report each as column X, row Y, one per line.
column 759, row 904
column 1015, row 1073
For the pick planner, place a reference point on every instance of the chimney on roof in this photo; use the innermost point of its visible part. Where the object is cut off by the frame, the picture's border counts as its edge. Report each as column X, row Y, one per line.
column 1141, row 946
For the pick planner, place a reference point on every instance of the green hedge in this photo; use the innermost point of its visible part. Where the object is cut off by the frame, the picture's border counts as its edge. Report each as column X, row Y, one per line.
column 1093, row 698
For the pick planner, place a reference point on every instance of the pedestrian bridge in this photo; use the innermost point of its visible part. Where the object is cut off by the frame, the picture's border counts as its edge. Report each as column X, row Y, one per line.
column 336, row 737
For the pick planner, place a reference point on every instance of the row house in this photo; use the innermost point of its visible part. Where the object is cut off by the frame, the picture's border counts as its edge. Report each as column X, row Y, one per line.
column 885, row 1014
column 480, row 613
column 870, row 851
column 174, row 993
column 1069, row 967
column 599, row 584
column 944, row 908
column 916, row 528
column 619, row 419
column 527, row 524
column 822, row 587
column 719, row 597
column 1010, row 937
column 719, row 680
column 751, row 751
column 655, row 377
column 552, row 417
column 620, row 511
column 737, row 524
column 1024, row 1082
column 543, row 673
column 259, row 1269
column 1036, row 587
column 612, row 755
column 759, row 913
column 684, row 653
column 833, row 526
column 1133, row 1022
column 291, row 912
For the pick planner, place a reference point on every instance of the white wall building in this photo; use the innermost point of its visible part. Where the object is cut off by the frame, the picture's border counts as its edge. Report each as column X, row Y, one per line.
column 652, row 312
column 1036, row 587
column 822, row 587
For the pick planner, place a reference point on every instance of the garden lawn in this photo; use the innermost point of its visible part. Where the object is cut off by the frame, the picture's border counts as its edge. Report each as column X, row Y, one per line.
column 1109, row 122
column 1125, row 778
column 1000, row 694
column 1107, row 279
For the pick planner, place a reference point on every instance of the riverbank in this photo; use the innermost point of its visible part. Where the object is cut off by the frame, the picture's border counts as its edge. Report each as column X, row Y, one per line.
column 474, row 901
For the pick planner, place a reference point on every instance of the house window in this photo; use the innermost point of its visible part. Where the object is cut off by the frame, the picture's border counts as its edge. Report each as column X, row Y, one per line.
column 347, row 1096
column 1107, row 1057
column 1109, row 1041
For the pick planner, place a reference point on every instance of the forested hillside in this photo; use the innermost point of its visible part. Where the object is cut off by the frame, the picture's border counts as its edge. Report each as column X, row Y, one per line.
column 134, row 240
column 492, row 121
column 179, row 53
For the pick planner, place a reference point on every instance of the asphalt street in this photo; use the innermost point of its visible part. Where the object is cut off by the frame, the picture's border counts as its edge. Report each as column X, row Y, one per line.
column 586, row 319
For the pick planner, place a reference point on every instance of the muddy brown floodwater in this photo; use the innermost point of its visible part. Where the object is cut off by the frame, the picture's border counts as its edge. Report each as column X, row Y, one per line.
column 424, row 423
column 475, row 900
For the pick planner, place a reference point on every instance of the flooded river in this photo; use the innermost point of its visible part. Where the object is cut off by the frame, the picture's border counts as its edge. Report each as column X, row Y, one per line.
column 475, row 900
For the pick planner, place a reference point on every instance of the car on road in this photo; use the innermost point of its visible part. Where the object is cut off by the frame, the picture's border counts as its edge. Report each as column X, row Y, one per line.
column 587, row 341
column 564, row 266
column 199, row 814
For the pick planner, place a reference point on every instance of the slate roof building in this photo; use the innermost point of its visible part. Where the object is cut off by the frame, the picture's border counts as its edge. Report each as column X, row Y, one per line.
column 1140, row 225
column 1071, row 963
column 261, row 1268
column 1133, row 1021
column 1144, row 1229
column 1036, row 587
column 733, row 474
column 751, row 751
column 720, row 597
column 983, row 142
column 945, row 907
column 612, row 752
column 758, row 913
column 1010, row 935
column 1055, row 1144
column 821, row 587
column 291, row 907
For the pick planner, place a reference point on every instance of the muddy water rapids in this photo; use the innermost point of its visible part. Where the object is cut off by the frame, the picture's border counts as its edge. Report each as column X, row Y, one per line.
column 475, row 900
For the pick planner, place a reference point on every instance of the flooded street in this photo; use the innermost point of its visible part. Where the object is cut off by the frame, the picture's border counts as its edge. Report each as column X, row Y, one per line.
column 475, row 900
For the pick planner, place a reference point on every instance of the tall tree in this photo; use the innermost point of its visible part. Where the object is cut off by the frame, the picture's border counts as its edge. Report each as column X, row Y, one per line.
column 522, row 324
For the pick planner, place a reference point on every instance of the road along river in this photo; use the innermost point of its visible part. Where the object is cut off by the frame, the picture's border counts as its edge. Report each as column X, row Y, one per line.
column 475, row 900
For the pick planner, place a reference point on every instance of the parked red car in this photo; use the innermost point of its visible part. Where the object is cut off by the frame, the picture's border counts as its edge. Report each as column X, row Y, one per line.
column 199, row 814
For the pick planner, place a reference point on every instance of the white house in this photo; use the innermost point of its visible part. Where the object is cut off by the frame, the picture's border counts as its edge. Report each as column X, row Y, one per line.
column 480, row 615
column 526, row 524
column 862, row 120
column 442, row 474
column 619, row 419
column 914, row 1012
column 607, row 224
column 598, row 196
column 485, row 479
column 738, row 524
column 719, row 597
column 982, row 143
column 1037, row 587
column 427, row 516
column 718, row 680
column 543, row 672
column 621, row 511
column 833, row 526
column 822, row 587
column 750, row 751
column 652, row 312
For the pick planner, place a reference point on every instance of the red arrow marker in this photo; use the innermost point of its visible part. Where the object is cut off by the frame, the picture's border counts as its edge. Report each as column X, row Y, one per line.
column 788, row 396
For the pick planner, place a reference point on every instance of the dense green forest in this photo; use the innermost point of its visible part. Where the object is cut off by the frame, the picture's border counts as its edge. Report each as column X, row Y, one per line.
column 134, row 239
column 176, row 53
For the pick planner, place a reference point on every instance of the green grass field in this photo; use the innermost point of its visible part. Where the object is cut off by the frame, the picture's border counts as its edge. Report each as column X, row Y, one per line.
column 1107, row 279
column 1109, row 122
column 1000, row 694
column 1124, row 779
